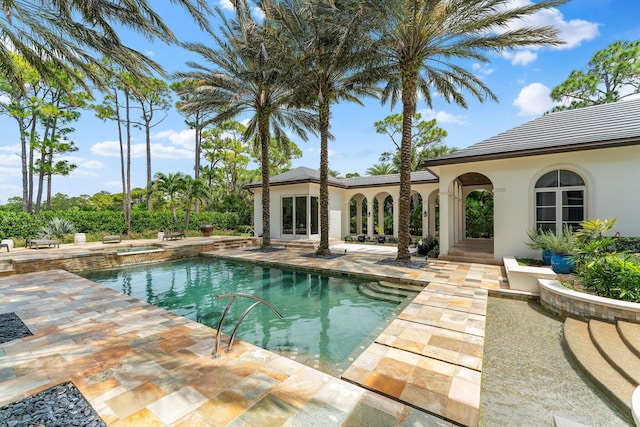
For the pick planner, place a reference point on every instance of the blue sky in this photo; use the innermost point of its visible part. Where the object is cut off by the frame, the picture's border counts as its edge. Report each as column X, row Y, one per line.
column 521, row 79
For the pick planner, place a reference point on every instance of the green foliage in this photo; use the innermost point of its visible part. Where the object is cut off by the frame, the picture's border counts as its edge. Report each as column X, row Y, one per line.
column 563, row 243
column 57, row 228
column 540, row 239
column 426, row 143
column 479, row 214
column 612, row 74
column 613, row 276
column 625, row 244
column 21, row 225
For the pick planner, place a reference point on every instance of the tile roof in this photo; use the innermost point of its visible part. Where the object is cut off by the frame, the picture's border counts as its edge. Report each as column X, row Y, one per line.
column 599, row 126
column 304, row 174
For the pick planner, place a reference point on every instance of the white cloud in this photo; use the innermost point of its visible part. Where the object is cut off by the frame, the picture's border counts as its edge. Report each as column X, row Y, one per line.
column 572, row 32
column 226, row 5
column 442, row 116
column 534, row 99
column 184, row 138
column 482, row 69
column 521, row 57
column 114, row 184
column 112, row 149
column 10, row 160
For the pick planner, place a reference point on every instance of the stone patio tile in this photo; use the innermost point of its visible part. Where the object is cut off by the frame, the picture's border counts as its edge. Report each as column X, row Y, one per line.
column 142, row 418
column 177, row 404
column 269, row 411
column 223, row 408
column 133, row 400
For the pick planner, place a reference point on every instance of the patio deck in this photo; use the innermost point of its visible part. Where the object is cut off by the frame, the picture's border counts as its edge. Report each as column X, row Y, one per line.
column 136, row 363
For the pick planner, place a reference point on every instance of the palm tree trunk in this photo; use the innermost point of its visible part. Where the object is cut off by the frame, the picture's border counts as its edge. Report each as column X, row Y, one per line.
column 31, row 155
column 196, row 167
column 409, row 86
column 25, row 168
column 148, row 139
column 263, row 130
column 323, row 112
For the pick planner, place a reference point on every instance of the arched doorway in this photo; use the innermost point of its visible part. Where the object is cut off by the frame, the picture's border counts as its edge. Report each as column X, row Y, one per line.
column 382, row 212
column 358, row 210
column 470, row 233
column 418, row 215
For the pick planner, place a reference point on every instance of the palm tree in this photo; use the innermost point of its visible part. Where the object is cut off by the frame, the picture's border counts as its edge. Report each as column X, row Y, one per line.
column 192, row 190
column 324, row 46
column 170, row 186
column 245, row 78
column 68, row 33
column 425, row 41
column 381, row 169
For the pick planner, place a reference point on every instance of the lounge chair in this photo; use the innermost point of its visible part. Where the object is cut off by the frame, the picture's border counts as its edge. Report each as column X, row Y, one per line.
column 37, row 243
column 116, row 238
column 173, row 235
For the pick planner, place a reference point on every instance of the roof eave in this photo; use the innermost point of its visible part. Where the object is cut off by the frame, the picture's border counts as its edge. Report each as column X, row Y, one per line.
column 536, row 152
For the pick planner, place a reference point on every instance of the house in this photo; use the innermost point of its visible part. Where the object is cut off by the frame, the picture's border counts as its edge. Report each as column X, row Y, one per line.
column 553, row 171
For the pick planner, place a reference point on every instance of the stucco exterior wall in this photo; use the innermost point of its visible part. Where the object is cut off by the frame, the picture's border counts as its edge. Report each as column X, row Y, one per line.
column 611, row 176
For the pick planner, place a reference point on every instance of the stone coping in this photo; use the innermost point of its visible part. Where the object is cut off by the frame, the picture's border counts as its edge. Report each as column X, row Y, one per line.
column 525, row 278
column 567, row 302
column 635, row 405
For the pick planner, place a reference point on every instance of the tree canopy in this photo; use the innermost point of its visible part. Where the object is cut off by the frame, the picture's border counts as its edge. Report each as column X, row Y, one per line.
column 612, row 74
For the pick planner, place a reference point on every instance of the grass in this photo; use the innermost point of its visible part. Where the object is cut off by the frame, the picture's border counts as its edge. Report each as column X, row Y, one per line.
column 530, row 262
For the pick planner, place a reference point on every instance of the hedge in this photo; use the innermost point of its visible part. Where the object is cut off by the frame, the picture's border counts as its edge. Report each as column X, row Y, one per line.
column 21, row 225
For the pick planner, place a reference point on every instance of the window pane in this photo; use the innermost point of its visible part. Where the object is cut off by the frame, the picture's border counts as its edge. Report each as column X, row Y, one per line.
column 287, row 215
column 546, row 214
column 301, row 215
column 315, row 220
column 574, row 197
column 546, row 198
column 548, row 180
column 570, row 179
column 573, row 214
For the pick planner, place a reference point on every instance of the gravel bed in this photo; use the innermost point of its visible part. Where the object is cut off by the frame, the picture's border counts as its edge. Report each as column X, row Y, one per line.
column 331, row 256
column 12, row 328
column 265, row 250
column 412, row 264
column 59, row 406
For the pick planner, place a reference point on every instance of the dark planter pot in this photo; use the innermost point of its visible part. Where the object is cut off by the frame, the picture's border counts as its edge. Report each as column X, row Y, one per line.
column 382, row 239
column 546, row 257
column 206, row 230
column 562, row 264
column 362, row 238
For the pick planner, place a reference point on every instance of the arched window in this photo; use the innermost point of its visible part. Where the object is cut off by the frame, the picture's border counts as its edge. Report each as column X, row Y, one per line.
column 559, row 200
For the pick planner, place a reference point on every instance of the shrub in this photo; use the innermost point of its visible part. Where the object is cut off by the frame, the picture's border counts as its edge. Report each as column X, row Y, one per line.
column 613, row 276
column 426, row 245
column 57, row 228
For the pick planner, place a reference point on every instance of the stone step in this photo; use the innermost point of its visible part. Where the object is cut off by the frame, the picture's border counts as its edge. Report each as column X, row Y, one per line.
column 6, row 267
column 612, row 347
column 630, row 334
column 470, row 254
column 389, row 289
column 470, row 260
column 405, row 286
column 366, row 290
column 615, row 386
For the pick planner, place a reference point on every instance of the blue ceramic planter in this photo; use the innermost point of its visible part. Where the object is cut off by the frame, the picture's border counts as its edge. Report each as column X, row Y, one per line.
column 546, row 257
column 562, row 264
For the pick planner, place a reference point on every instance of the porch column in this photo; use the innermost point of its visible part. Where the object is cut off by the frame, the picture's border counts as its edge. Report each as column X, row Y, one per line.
column 396, row 214
column 358, row 216
column 369, row 217
column 446, row 223
column 431, row 212
column 381, row 212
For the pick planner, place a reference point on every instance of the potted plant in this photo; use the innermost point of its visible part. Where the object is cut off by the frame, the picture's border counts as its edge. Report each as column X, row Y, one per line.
column 381, row 237
column 563, row 247
column 206, row 230
column 541, row 239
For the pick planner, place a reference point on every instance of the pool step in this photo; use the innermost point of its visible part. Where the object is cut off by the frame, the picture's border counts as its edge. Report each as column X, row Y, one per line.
column 615, row 385
column 384, row 292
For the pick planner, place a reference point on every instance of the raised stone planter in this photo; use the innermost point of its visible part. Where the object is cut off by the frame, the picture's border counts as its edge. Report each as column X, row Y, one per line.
column 566, row 302
column 80, row 238
column 525, row 278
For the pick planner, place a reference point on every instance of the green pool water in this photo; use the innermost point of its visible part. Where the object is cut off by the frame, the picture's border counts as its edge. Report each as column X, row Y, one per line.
column 326, row 323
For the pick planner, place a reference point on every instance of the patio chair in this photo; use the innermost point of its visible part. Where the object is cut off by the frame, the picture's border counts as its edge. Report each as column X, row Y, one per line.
column 116, row 238
column 173, row 235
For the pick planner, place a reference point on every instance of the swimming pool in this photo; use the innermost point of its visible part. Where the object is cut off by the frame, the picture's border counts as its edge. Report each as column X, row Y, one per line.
column 326, row 321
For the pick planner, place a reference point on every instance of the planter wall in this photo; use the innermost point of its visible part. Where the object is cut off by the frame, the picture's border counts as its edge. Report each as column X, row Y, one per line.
column 565, row 302
column 525, row 278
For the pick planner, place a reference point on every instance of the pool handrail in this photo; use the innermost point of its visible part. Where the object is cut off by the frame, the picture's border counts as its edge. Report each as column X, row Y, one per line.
column 233, row 296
